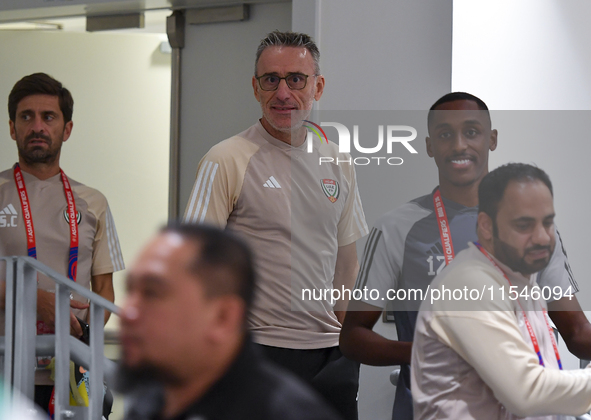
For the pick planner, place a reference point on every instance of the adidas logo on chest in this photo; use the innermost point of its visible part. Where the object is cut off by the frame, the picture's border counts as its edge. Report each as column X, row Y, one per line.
column 271, row 183
column 8, row 217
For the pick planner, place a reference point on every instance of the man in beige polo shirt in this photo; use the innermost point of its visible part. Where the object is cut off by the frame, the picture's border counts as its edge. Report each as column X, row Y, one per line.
column 35, row 188
column 300, row 217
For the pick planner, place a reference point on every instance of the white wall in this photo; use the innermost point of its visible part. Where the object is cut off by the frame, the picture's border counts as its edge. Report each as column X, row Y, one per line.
column 527, row 54
column 120, row 141
column 534, row 55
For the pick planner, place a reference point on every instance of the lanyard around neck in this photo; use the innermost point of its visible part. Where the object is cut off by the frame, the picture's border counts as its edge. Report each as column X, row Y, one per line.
column 28, row 218
column 530, row 330
column 443, row 224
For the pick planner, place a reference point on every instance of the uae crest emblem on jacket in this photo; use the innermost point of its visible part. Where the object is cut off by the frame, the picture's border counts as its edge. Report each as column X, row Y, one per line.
column 331, row 189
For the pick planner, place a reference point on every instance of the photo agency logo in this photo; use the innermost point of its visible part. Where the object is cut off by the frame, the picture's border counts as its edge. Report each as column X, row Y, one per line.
column 391, row 135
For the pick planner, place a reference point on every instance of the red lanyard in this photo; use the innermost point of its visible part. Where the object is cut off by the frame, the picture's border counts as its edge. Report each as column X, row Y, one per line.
column 530, row 330
column 444, row 232
column 28, row 218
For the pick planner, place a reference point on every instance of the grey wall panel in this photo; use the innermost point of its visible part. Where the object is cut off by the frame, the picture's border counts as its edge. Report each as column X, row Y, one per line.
column 382, row 55
column 217, row 99
column 385, row 54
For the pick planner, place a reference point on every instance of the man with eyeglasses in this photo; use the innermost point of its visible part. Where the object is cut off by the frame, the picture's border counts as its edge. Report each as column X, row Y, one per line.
column 301, row 219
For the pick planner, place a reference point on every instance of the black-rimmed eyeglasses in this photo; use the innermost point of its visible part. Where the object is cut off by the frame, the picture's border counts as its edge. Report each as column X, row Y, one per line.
column 295, row 81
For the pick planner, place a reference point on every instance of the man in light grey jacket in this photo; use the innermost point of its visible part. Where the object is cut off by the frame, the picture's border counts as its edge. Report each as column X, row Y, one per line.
column 483, row 347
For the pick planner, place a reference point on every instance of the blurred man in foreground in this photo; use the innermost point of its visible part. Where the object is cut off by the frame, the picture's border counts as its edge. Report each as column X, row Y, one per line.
column 186, row 351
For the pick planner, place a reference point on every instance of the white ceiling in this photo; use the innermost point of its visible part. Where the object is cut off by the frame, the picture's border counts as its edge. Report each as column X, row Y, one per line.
column 155, row 22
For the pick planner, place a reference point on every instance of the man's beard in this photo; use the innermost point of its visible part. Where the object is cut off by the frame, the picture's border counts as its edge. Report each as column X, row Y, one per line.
column 35, row 155
column 129, row 379
column 509, row 256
